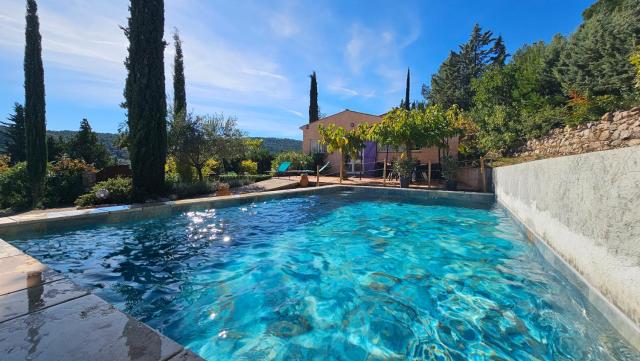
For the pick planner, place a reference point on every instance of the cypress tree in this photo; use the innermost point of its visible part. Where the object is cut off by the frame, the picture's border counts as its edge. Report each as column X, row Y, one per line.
column 183, row 165
column 407, row 104
column 314, row 110
column 179, row 91
column 15, row 134
column 34, row 109
column 145, row 97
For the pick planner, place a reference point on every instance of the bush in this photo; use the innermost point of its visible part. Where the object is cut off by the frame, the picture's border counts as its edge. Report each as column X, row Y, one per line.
column 183, row 190
column 5, row 163
column 64, row 181
column 235, row 180
column 249, row 167
column 14, row 188
column 298, row 160
column 115, row 190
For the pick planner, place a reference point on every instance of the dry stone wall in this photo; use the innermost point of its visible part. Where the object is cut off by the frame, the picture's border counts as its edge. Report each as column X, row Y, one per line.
column 614, row 130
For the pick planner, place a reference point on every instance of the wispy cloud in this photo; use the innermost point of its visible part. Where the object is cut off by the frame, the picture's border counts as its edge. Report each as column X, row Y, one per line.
column 250, row 59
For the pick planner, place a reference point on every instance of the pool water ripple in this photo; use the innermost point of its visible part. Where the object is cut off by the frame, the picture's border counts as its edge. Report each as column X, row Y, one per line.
column 343, row 277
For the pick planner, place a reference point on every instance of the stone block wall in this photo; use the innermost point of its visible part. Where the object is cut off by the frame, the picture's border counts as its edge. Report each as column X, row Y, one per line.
column 614, row 130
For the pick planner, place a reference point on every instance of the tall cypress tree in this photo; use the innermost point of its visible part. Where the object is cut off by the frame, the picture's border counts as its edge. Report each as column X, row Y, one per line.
column 15, row 134
column 314, row 110
column 407, row 105
column 145, row 97
column 183, row 166
column 179, row 91
column 34, row 110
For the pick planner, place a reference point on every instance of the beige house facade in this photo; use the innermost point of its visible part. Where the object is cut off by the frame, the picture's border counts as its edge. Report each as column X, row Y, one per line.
column 373, row 156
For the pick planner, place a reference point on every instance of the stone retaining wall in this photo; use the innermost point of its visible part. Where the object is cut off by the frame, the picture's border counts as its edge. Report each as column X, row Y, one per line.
column 614, row 130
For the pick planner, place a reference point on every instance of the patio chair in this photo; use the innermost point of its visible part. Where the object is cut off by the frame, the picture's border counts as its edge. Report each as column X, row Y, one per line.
column 282, row 169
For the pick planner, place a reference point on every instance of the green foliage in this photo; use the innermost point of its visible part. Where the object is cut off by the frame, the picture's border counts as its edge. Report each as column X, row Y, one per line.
column 449, row 168
column 596, row 59
column 404, row 166
column 235, row 180
column 183, row 190
column 420, row 127
column 179, row 89
column 64, row 181
column 15, row 188
column 451, row 85
column 314, row 109
column 56, row 148
column 201, row 138
column 14, row 134
column 145, row 98
column 112, row 191
column 278, row 145
column 34, row 107
column 84, row 145
column 249, row 167
column 298, row 160
column 635, row 61
column 5, row 163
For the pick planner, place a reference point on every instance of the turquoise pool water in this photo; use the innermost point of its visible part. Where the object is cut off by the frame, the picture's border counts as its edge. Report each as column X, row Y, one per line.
column 348, row 276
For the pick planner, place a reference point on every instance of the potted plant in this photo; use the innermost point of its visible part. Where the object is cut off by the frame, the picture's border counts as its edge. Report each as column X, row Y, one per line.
column 450, row 172
column 404, row 168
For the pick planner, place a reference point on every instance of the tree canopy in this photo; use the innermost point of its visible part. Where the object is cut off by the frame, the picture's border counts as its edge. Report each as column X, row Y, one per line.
column 14, row 135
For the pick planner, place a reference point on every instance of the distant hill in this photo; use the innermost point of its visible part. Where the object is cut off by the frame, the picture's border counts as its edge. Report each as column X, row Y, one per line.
column 273, row 145
column 277, row 145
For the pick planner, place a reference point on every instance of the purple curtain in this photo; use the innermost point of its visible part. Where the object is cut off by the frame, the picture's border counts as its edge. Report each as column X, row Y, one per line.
column 369, row 158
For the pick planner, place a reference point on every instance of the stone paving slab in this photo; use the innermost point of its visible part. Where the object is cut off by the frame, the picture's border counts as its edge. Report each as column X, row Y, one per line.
column 20, row 303
column 86, row 328
column 7, row 250
column 23, row 271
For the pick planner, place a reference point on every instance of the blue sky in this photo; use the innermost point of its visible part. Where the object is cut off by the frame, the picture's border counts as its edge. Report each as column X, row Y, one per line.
column 252, row 58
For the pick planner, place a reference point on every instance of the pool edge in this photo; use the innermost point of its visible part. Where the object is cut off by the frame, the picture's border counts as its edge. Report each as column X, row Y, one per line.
column 618, row 319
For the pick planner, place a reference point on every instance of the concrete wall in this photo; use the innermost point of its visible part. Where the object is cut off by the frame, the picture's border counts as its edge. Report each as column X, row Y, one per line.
column 587, row 208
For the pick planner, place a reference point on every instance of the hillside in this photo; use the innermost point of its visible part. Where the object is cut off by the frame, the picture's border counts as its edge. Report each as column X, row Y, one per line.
column 277, row 145
column 273, row 145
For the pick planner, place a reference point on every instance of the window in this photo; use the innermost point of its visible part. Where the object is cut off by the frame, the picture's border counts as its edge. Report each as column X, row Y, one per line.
column 317, row 146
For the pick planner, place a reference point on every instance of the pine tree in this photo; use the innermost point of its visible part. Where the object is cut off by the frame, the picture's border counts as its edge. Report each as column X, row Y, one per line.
column 56, row 148
column 15, row 134
column 596, row 59
column 314, row 110
column 407, row 103
column 145, row 97
column 34, row 109
column 452, row 83
column 499, row 52
column 85, row 146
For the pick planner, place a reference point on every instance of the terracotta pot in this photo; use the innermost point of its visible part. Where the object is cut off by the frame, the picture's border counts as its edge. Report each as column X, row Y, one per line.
column 304, row 180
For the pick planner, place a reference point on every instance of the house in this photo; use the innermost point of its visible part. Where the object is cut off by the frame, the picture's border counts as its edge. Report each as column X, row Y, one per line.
column 373, row 156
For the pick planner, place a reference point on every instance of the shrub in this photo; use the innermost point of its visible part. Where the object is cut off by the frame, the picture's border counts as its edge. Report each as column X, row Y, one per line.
column 115, row 190
column 211, row 166
column 5, row 163
column 249, row 167
column 64, row 181
column 14, row 188
column 298, row 160
column 183, row 190
column 235, row 180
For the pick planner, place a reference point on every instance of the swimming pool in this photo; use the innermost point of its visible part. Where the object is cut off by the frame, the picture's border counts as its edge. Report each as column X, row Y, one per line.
column 352, row 275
